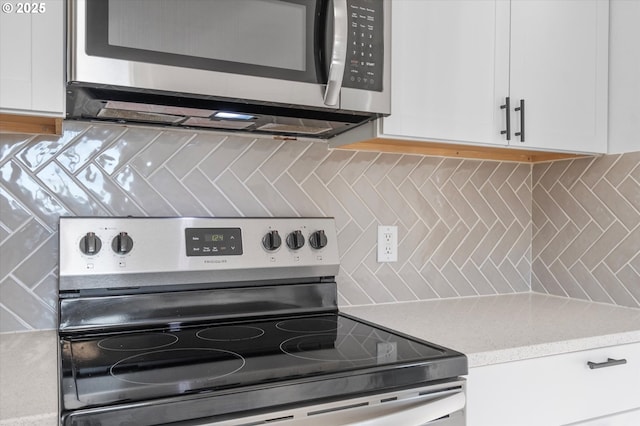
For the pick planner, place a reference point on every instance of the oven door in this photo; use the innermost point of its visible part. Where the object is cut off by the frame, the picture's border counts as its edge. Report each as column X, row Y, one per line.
column 437, row 405
column 284, row 51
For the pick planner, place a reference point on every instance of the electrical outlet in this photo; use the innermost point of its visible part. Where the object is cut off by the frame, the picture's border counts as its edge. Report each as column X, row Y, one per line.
column 387, row 243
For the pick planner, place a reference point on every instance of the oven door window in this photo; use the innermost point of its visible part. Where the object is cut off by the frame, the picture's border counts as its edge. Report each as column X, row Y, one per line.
column 267, row 38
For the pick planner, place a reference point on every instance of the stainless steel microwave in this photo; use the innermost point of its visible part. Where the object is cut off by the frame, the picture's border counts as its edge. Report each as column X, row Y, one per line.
column 287, row 67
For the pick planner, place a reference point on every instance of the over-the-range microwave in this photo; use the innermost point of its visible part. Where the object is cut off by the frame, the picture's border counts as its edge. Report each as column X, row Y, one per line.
column 313, row 68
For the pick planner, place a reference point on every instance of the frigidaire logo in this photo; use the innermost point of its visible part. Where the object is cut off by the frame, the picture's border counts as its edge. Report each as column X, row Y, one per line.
column 216, row 261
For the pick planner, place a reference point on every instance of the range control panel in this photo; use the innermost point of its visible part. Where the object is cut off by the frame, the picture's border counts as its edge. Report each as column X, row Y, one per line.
column 145, row 251
column 365, row 45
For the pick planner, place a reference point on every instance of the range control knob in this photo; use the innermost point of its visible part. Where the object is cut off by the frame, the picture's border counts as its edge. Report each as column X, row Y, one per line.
column 295, row 240
column 90, row 244
column 271, row 241
column 318, row 239
column 122, row 243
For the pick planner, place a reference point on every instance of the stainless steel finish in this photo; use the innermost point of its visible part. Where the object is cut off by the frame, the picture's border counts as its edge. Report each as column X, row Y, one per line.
column 180, row 274
column 367, row 131
column 294, row 397
column 159, row 251
column 183, row 80
column 283, row 99
column 359, row 100
column 153, row 76
column 71, row 38
column 442, row 405
column 339, row 54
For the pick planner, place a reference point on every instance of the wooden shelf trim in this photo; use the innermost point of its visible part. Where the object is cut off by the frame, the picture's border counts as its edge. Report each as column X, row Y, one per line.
column 460, row 151
column 10, row 123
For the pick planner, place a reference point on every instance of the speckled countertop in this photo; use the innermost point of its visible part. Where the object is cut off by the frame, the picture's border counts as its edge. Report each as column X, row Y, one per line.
column 496, row 329
column 29, row 378
column 489, row 330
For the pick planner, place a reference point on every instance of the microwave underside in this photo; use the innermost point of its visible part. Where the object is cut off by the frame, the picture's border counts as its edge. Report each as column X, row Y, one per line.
column 157, row 108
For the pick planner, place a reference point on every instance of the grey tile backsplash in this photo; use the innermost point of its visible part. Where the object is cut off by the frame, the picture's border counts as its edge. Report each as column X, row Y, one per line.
column 586, row 229
column 465, row 226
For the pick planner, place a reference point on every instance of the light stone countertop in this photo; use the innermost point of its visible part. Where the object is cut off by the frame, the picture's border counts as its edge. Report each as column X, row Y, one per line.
column 29, row 378
column 496, row 329
column 489, row 330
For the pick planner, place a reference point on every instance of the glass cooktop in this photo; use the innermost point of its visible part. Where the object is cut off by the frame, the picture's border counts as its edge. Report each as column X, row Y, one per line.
column 178, row 360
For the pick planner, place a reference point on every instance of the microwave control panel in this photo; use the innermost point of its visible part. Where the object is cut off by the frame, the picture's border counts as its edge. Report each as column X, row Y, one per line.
column 365, row 45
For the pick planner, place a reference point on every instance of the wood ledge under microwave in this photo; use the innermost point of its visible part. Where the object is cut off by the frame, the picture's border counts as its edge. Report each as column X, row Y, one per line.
column 460, row 151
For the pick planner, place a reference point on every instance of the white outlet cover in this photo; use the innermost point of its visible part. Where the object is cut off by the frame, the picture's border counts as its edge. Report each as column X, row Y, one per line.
column 387, row 243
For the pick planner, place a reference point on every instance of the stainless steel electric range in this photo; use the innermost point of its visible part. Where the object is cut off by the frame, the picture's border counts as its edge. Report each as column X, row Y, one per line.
column 231, row 321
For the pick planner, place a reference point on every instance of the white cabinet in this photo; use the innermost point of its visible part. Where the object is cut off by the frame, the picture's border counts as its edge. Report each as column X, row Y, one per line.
column 455, row 61
column 32, row 58
column 557, row 390
column 627, row 418
column 450, row 70
column 559, row 67
column 624, row 77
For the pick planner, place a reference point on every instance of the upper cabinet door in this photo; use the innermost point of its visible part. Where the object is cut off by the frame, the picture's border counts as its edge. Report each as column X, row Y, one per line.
column 450, row 70
column 559, row 66
column 624, row 77
column 32, row 65
column 15, row 62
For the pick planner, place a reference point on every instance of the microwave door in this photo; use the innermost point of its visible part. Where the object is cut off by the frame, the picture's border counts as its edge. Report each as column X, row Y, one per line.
column 265, row 50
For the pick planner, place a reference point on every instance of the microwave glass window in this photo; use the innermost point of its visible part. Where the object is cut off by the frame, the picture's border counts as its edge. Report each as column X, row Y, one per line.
column 268, row 33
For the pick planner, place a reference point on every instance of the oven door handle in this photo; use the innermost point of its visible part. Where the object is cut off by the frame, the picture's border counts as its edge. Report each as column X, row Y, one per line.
column 419, row 415
column 338, row 54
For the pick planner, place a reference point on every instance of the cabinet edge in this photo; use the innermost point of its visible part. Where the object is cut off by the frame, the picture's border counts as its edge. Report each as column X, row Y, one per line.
column 459, row 150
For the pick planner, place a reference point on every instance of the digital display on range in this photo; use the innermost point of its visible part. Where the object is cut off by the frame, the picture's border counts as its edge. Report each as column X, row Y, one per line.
column 213, row 241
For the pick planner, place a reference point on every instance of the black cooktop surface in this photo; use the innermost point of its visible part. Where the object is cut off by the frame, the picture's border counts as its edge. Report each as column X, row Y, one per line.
column 131, row 366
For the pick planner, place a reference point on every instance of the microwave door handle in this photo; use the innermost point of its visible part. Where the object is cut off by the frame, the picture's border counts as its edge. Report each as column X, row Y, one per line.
column 339, row 53
column 420, row 414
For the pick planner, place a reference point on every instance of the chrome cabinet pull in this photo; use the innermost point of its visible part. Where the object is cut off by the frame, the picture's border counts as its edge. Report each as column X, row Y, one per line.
column 507, row 108
column 610, row 362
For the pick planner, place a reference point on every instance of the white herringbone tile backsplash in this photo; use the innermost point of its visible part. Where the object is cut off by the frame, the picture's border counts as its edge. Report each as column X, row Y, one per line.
column 464, row 226
column 586, row 229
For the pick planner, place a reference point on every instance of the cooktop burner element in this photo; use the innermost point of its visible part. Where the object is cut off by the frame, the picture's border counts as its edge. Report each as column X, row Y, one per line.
column 199, row 321
column 341, row 348
column 309, row 325
column 177, row 366
column 138, row 342
column 230, row 333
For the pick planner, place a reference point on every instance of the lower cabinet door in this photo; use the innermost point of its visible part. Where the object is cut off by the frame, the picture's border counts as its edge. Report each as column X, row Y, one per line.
column 556, row 390
column 628, row 418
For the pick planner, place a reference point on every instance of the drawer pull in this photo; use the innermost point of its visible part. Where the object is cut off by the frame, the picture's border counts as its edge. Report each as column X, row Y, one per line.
column 610, row 362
